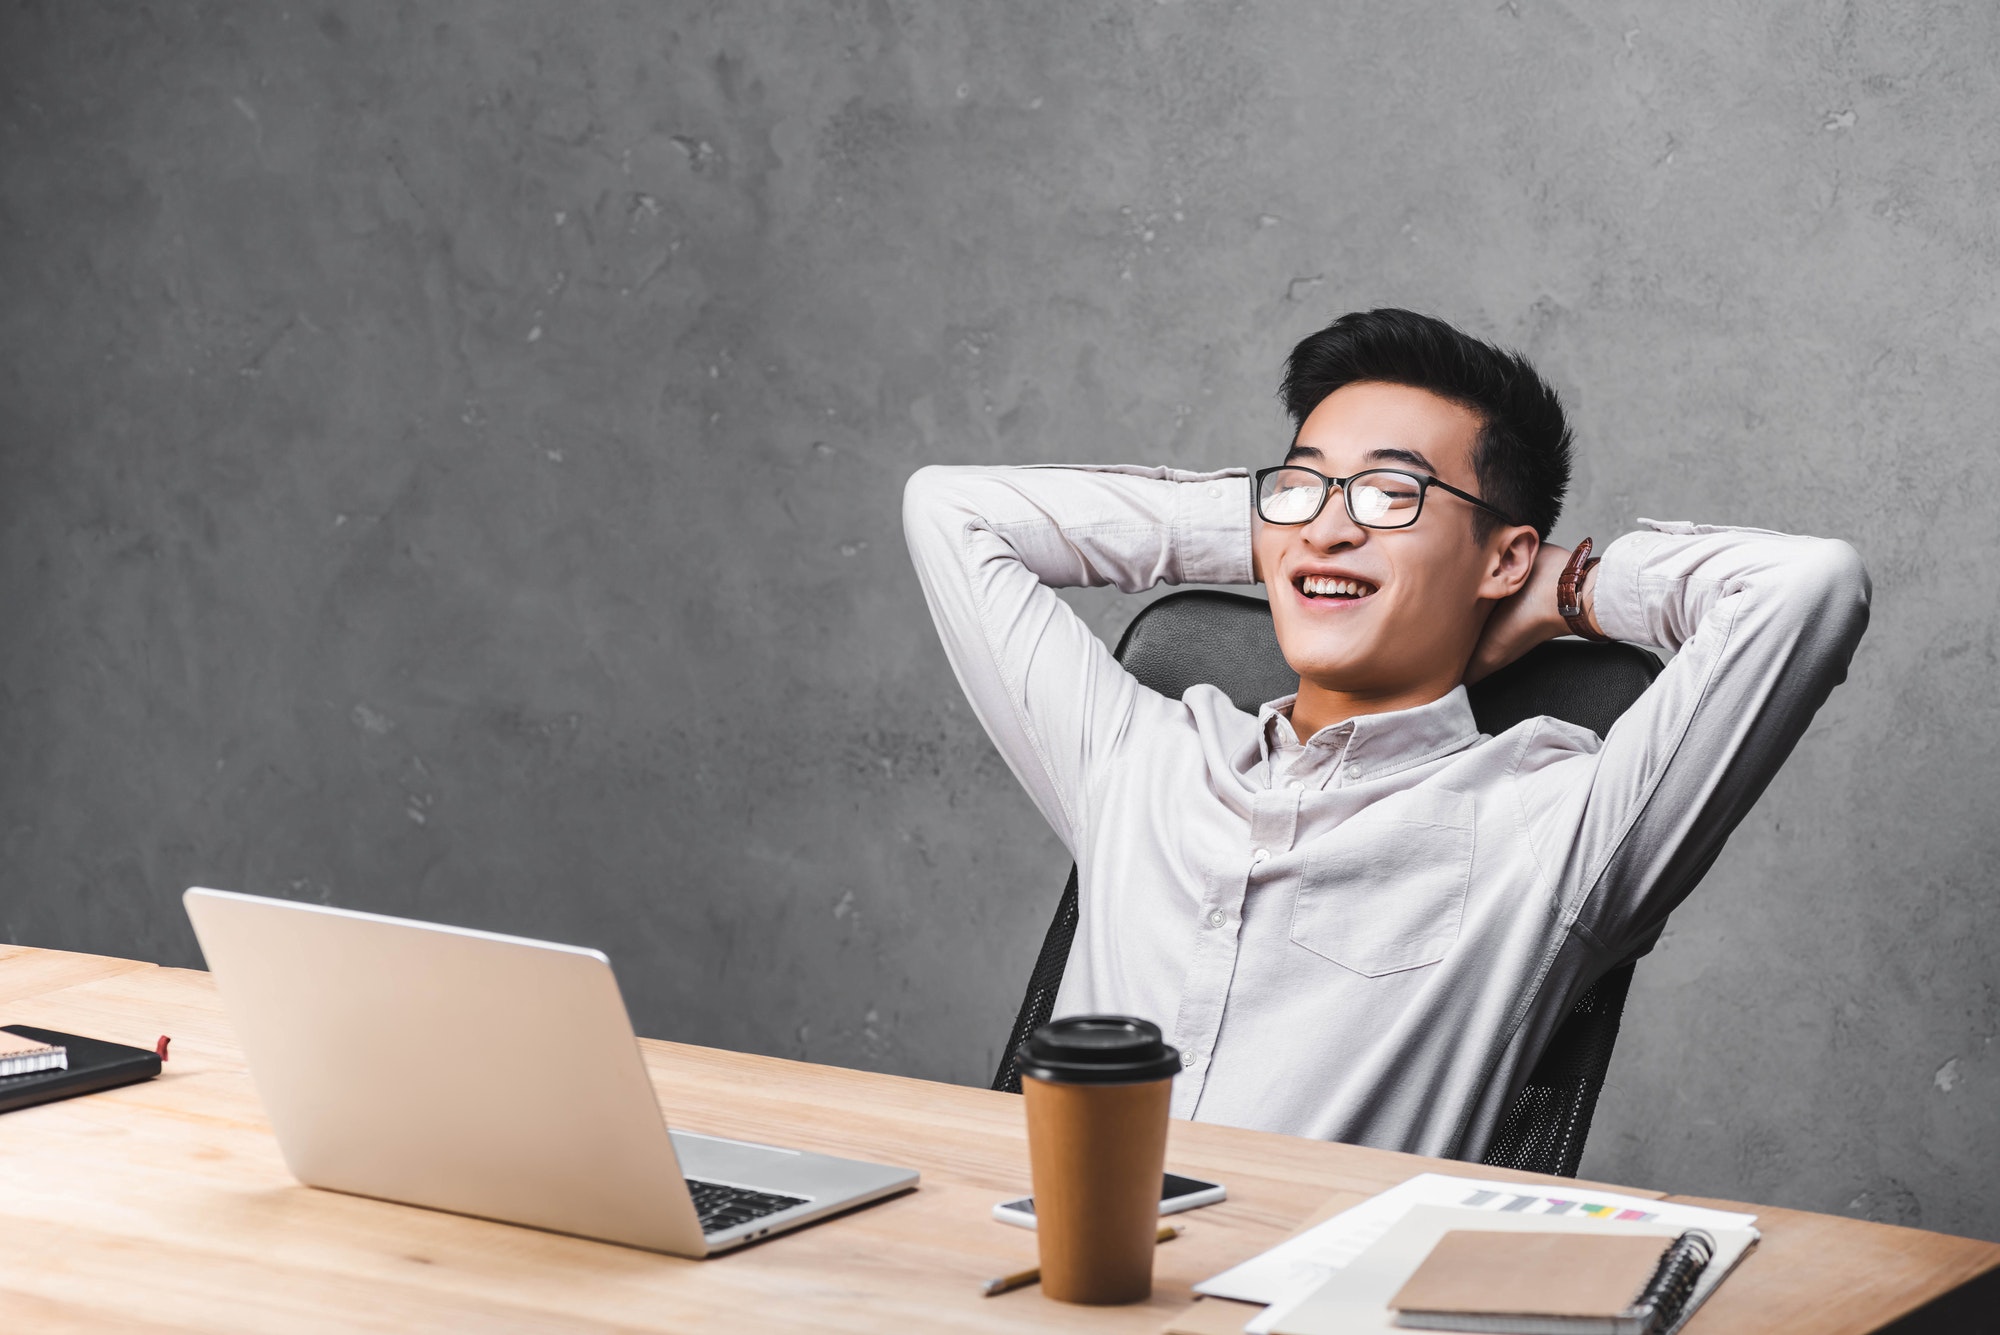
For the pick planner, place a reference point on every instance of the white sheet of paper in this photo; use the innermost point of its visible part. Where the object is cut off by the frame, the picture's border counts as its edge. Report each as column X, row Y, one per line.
column 1356, row 1299
column 1299, row 1265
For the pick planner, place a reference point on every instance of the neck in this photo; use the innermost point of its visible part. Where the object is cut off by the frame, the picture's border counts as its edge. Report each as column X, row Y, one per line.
column 1321, row 706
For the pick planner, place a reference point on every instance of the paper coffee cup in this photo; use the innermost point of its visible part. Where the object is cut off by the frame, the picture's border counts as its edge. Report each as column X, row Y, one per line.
column 1097, row 1089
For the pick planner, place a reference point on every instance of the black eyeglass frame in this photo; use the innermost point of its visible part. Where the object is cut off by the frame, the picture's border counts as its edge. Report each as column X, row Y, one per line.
column 1424, row 481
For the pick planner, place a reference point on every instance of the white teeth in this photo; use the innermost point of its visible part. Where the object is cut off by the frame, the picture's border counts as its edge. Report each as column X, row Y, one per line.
column 1326, row 586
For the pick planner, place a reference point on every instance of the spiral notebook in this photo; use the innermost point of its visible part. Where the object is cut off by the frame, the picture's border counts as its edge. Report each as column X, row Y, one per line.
column 1553, row 1283
column 88, row 1065
column 1357, row 1297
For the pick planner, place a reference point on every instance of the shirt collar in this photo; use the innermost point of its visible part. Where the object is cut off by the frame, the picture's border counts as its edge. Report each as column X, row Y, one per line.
column 1378, row 744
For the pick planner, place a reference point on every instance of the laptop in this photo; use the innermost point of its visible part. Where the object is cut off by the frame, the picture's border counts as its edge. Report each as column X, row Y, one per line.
column 487, row 1075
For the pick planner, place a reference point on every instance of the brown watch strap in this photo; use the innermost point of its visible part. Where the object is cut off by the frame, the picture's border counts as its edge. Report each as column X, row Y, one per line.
column 1569, row 592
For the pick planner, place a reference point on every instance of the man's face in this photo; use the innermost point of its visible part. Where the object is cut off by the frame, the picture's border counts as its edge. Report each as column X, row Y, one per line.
column 1425, row 590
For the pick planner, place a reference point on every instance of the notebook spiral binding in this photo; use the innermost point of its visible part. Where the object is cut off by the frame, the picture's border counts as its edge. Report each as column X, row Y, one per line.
column 1667, row 1292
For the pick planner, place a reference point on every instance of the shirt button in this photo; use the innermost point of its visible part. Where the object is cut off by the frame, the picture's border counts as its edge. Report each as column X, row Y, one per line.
column 1215, row 493
column 1354, row 771
column 1187, row 1059
column 1217, row 918
column 1260, row 857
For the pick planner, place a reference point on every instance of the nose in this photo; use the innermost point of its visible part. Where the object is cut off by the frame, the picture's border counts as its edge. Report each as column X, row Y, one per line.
column 1333, row 528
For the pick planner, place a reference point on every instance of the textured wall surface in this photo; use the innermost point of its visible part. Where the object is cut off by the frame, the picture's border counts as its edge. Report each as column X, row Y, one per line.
column 450, row 459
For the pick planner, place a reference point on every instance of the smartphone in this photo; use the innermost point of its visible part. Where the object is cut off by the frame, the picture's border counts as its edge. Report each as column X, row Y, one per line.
column 1177, row 1193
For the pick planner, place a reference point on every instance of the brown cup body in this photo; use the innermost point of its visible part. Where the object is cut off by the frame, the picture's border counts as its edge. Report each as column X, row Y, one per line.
column 1098, row 1153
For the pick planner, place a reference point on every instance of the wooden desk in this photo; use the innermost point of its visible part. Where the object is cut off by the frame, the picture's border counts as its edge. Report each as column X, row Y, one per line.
column 165, row 1206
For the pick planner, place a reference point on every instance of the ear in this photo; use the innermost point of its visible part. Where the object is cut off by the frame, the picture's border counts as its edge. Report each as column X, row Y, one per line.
column 1510, row 561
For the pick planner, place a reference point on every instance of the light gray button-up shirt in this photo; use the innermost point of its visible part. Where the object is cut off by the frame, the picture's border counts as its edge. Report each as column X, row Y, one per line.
column 1369, row 936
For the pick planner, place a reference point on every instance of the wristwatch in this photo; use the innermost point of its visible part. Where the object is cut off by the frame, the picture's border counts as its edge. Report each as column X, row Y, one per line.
column 1569, row 592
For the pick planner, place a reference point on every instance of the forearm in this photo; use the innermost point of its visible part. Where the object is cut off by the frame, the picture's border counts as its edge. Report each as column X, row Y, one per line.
column 1659, row 585
column 1085, row 526
column 1660, row 581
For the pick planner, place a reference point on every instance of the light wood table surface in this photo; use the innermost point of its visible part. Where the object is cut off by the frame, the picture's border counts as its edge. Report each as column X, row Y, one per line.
column 165, row 1206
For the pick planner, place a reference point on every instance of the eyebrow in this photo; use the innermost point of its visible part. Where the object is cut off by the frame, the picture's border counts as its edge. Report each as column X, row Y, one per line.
column 1403, row 457
column 1386, row 454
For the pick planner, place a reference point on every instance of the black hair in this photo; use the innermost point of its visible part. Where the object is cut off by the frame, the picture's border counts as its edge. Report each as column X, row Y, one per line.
column 1522, row 455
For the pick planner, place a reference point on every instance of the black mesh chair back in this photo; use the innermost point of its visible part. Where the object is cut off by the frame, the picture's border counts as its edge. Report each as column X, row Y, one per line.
column 1227, row 640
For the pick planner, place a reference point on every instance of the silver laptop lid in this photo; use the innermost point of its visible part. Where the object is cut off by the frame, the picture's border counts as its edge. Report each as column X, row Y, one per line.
column 461, row 1070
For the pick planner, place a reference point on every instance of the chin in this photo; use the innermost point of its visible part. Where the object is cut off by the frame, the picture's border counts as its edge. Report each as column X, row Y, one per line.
column 1357, row 664
column 1335, row 667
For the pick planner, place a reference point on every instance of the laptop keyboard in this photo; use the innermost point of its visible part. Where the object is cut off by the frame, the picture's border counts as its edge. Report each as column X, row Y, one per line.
column 724, row 1207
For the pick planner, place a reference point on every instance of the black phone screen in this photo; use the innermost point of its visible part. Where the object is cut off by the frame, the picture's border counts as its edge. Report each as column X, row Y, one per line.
column 1172, row 1187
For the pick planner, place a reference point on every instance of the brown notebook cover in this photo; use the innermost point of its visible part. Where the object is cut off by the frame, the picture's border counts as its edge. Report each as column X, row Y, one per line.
column 1532, row 1274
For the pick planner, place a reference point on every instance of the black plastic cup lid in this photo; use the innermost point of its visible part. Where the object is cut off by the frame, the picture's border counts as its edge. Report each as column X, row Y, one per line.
column 1099, row 1050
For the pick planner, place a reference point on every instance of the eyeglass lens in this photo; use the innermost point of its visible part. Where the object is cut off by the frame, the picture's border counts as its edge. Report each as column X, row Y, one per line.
column 1379, row 499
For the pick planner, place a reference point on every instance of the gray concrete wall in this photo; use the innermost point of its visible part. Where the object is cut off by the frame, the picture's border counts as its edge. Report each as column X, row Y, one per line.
column 450, row 459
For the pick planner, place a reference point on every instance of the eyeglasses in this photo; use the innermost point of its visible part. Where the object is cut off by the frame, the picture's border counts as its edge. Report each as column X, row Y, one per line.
column 1378, row 498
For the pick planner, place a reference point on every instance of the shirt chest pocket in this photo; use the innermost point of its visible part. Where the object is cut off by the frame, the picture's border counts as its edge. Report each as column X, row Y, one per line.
column 1386, row 891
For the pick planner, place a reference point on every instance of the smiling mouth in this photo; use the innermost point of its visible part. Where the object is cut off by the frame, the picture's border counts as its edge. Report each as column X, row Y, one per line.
column 1326, row 588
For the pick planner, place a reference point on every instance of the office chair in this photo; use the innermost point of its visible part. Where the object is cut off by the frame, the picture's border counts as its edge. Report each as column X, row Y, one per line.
column 1227, row 640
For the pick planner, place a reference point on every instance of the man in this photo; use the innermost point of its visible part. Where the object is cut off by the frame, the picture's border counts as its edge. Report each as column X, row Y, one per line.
column 1357, row 917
